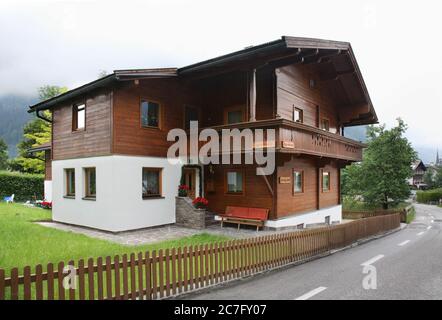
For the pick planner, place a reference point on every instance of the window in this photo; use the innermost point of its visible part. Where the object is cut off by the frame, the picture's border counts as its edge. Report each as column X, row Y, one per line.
column 234, row 116
column 325, row 181
column 325, row 124
column 235, row 181
column 298, row 115
column 190, row 114
column 70, row 182
column 298, row 182
column 151, row 182
column 150, row 114
column 78, row 117
column 90, row 183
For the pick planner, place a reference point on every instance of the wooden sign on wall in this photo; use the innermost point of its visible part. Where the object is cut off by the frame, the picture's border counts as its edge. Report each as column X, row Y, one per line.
column 285, row 180
column 288, row 144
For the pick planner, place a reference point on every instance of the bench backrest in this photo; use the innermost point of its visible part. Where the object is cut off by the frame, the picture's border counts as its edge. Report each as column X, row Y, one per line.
column 246, row 212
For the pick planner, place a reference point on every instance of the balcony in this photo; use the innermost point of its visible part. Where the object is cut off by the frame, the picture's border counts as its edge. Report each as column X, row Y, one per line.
column 298, row 138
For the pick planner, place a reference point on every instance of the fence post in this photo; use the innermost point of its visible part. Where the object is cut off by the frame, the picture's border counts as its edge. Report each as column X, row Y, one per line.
column 2, row 284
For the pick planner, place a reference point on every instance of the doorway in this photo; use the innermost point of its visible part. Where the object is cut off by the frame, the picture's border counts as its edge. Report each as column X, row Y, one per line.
column 190, row 181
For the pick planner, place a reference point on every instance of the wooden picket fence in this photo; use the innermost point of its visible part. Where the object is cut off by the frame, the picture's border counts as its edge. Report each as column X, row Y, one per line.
column 362, row 214
column 155, row 275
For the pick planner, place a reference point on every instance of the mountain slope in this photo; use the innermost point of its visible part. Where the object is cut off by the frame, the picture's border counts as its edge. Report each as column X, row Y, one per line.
column 13, row 116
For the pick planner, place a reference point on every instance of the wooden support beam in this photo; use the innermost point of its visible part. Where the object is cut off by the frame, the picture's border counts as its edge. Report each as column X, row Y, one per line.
column 336, row 75
column 252, row 95
column 319, row 56
column 266, row 181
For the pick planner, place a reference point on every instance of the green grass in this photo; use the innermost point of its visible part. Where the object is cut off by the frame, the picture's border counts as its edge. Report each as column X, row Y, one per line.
column 23, row 242
column 411, row 215
column 351, row 204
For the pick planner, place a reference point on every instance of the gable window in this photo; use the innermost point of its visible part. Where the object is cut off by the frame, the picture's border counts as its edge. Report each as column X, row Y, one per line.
column 235, row 181
column 325, row 124
column 151, row 182
column 150, row 114
column 234, row 116
column 298, row 115
column 190, row 114
column 90, row 183
column 325, row 180
column 298, row 181
column 70, row 182
column 78, row 117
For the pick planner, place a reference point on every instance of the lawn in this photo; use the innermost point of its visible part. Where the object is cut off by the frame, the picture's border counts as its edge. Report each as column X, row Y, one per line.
column 350, row 204
column 23, row 242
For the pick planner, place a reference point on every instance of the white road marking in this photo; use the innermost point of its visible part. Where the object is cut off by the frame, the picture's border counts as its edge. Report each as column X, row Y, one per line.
column 429, row 227
column 372, row 260
column 403, row 243
column 421, row 233
column 312, row 293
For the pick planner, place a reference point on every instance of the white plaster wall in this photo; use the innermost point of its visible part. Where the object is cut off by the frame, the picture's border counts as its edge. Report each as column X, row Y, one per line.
column 313, row 217
column 48, row 190
column 119, row 204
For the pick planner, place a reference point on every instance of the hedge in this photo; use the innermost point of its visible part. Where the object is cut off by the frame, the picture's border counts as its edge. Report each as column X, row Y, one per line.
column 429, row 196
column 24, row 186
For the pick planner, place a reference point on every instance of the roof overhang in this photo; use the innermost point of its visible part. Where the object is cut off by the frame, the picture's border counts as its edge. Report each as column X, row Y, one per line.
column 285, row 50
column 42, row 147
column 106, row 81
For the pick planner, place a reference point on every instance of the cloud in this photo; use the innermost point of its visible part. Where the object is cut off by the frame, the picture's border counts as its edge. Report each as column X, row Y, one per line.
column 68, row 42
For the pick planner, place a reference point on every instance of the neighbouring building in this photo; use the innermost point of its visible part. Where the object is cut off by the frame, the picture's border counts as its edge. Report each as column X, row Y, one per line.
column 109, row 137
column 46, row 148
column 417, row 179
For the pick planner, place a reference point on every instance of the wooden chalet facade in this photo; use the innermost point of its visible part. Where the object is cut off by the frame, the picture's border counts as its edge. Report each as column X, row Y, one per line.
column 417, row 179
column 109, row 144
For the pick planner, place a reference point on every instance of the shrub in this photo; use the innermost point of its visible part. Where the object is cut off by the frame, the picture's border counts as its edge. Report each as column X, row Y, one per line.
column 183, row 190
column 200, row 203
column 429, row 196
column 24, row 186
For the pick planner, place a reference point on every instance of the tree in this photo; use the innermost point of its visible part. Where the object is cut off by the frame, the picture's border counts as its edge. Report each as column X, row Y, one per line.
column 35, row 132
column 381, row 178
column 3, row 155
column 429, row 178
column 438, row 178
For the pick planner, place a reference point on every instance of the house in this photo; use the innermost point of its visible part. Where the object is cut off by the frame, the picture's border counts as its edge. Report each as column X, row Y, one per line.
column 109, row 137
column 46, row 148
column 417, row 179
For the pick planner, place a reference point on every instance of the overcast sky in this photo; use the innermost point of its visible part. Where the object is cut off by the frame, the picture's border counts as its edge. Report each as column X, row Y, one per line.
column 397, row 44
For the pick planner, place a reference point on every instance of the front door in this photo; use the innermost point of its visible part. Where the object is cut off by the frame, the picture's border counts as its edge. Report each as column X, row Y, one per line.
column 190, row 181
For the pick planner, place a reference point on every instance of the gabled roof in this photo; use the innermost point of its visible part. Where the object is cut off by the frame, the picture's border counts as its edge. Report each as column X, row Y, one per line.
column 348, row 83
column 418, row 163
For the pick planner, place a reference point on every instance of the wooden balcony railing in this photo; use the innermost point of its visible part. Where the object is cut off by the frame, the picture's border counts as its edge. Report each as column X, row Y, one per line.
column 292, row 137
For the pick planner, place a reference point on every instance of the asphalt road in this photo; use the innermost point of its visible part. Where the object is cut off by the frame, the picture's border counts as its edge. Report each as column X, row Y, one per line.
column 408, row 265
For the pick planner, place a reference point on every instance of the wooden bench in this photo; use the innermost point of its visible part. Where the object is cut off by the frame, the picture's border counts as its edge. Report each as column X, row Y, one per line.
column 244, row 215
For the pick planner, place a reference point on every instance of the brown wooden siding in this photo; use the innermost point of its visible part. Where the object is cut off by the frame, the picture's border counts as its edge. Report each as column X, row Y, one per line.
column 294, row 90
column 289, row 203
column 129, row 137
column 256, row 193
column 95, row 140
